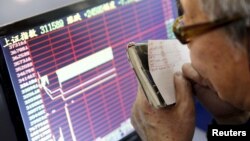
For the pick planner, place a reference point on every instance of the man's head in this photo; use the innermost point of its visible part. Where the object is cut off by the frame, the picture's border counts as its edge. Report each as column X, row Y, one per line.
column 221, row 56
column 218, row 9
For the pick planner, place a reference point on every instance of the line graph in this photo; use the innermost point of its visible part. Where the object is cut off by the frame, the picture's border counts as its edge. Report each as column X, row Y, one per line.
column 70, row 71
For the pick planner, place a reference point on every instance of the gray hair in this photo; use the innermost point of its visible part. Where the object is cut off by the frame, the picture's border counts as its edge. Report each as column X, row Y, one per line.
column 217, row 9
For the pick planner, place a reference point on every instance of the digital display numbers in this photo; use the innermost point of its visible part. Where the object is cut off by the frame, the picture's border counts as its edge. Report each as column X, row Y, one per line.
column 60, row 23
column 52, row 26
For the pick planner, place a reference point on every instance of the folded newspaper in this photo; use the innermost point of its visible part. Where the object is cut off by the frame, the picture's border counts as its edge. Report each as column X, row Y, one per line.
column 154, row 64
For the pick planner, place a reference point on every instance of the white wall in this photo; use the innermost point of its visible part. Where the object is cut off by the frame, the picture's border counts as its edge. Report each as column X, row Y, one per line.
column 15, row 10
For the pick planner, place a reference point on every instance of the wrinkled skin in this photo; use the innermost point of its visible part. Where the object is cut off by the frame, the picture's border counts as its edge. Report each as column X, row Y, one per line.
column 218, row 76
column 223, row 112
column 162, row 124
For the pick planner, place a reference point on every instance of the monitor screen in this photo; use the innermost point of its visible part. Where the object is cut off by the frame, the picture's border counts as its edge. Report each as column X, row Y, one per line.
column 69, row 71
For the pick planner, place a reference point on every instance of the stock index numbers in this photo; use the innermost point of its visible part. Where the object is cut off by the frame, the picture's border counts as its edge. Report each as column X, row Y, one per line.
column 60, row 23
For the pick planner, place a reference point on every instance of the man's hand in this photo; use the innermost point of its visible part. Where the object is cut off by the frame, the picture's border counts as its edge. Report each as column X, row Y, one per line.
column 175, row 122
column 223, row 112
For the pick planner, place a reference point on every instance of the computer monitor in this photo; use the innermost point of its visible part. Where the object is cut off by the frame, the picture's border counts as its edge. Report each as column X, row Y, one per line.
column 65, row 73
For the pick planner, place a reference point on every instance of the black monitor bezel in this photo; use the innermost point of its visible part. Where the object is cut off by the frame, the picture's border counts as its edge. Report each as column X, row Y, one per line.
column 11, row 101
column 22, row 25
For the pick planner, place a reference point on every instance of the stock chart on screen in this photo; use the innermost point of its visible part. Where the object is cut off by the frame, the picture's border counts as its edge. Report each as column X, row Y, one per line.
column 71, row 77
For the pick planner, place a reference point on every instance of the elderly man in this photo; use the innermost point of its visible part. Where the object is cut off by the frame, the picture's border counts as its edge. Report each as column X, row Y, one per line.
column 217, row 34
